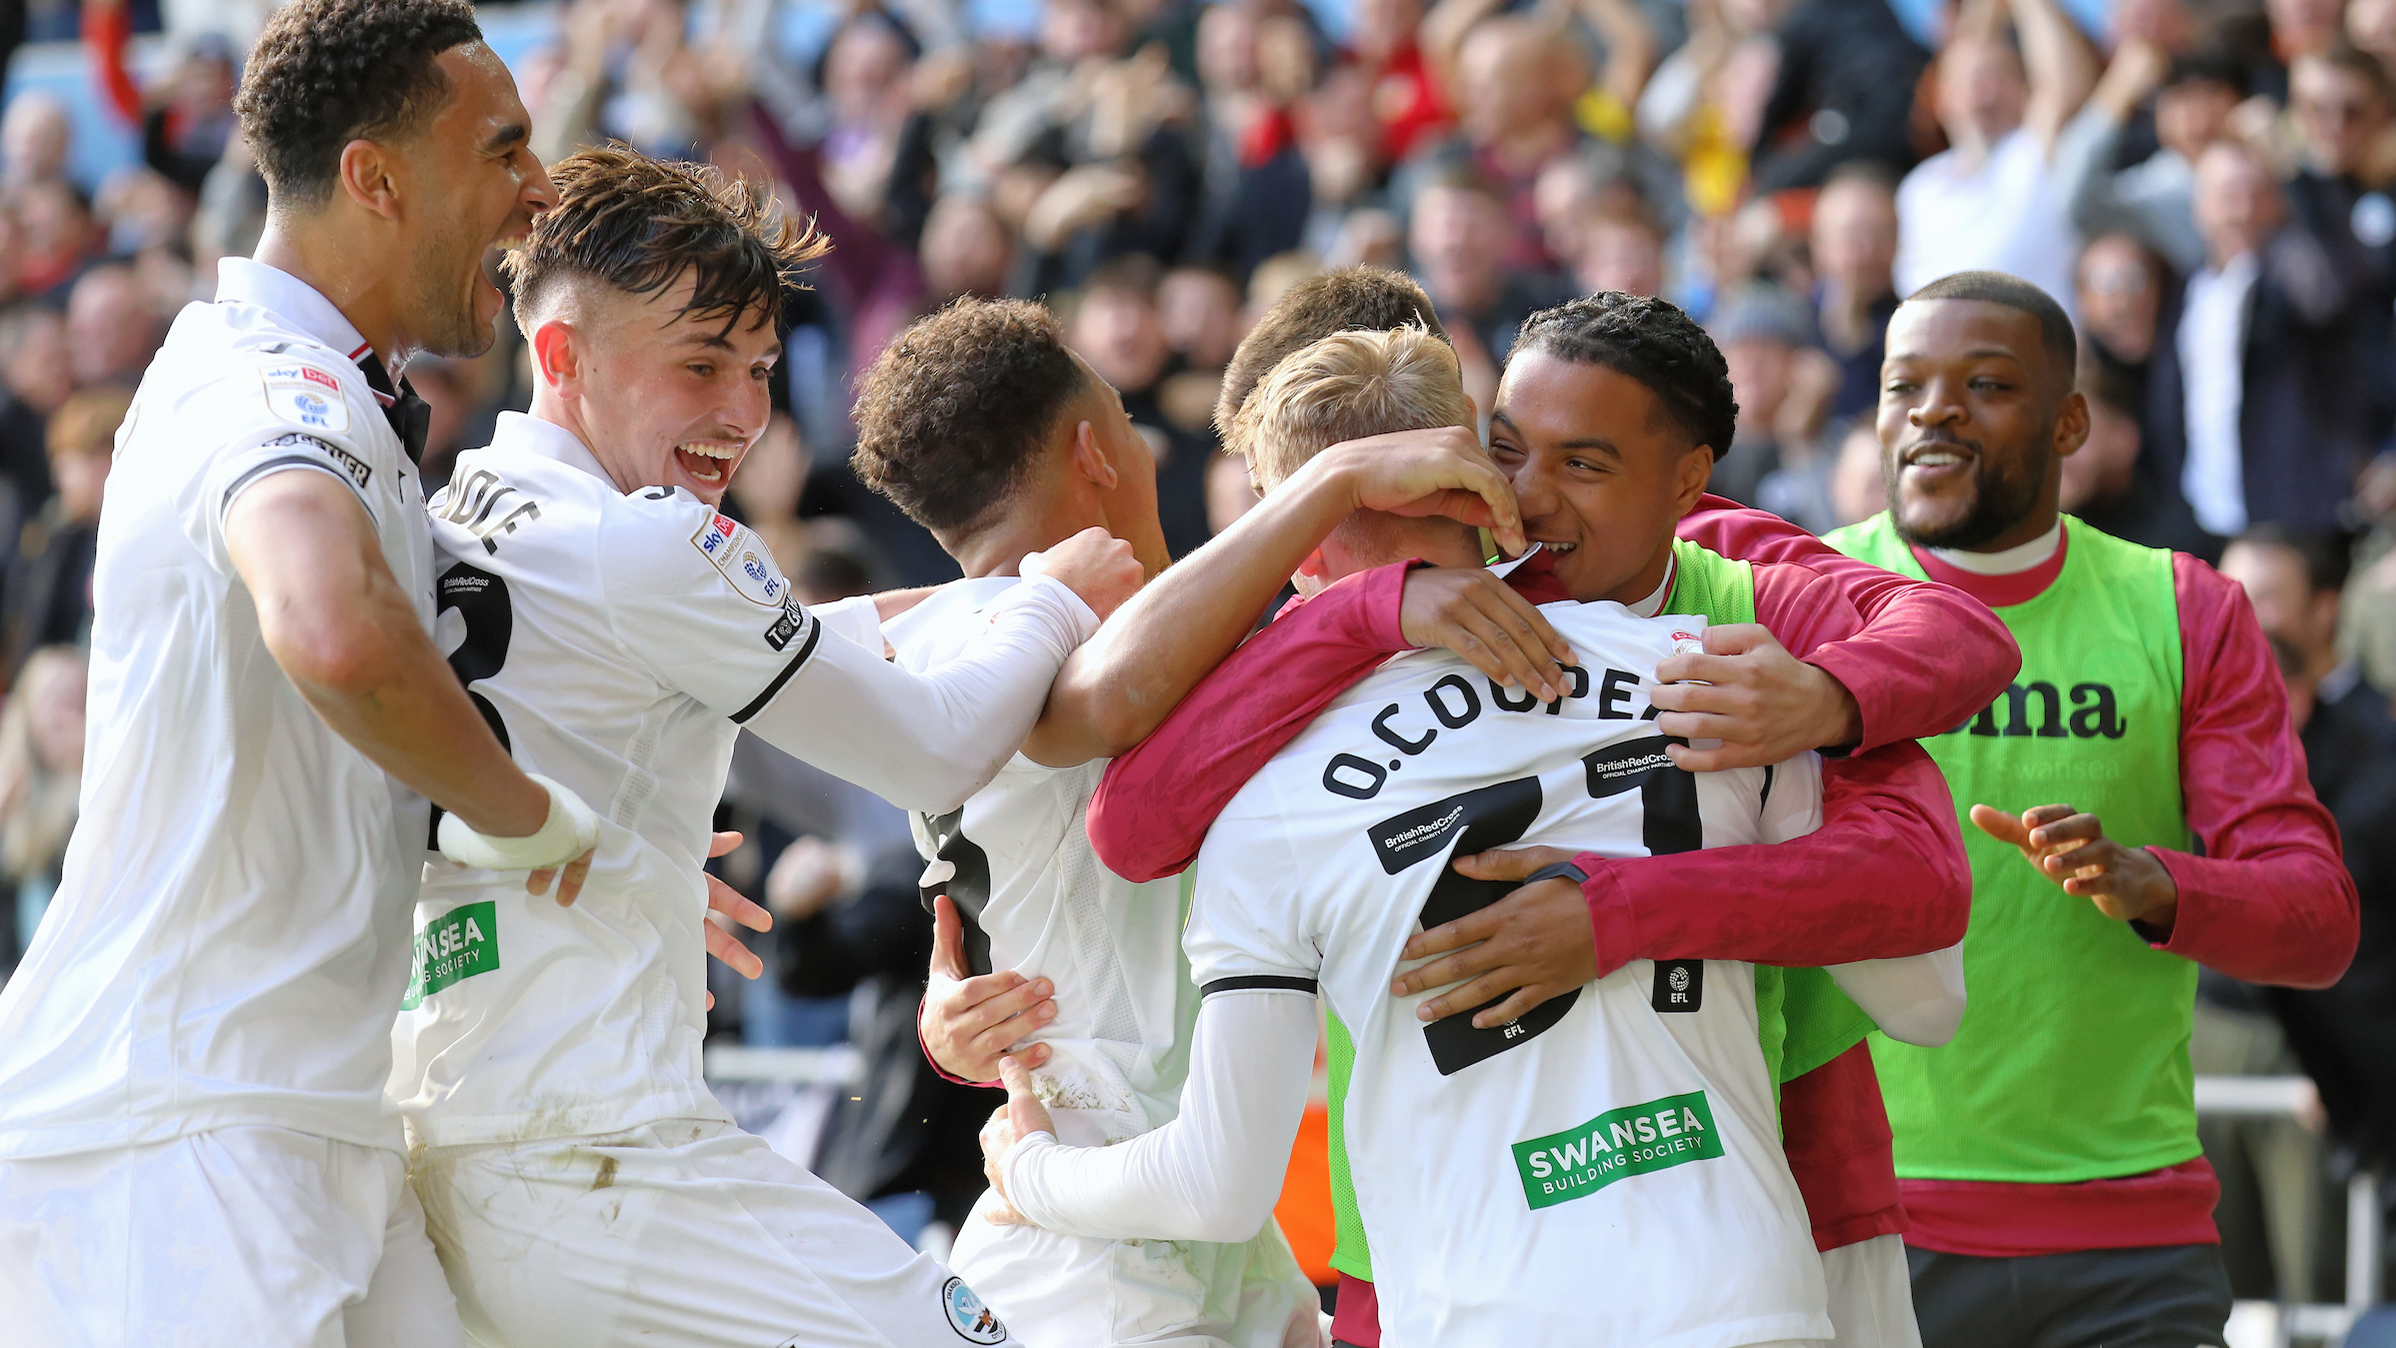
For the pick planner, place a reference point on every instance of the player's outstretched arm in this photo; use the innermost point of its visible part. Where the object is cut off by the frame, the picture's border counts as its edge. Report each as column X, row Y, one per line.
column 347, row 636
column 1922, row 658
column 927, row 741
column 1918, row 999
column 1211, row 1174
column 1124, row 682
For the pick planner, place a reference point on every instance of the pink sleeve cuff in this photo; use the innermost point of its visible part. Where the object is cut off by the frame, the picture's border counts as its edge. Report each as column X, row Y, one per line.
column 1612, row 922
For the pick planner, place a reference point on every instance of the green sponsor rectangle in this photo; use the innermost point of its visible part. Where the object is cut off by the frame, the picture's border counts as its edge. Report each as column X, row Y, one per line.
column 459, row 944
column 1620, row 1143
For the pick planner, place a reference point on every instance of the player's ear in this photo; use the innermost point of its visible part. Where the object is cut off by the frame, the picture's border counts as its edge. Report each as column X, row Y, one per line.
column 367, row 173
column 2071, row 424
column 556, row 355
column 1694, row 472
column 1090, row 458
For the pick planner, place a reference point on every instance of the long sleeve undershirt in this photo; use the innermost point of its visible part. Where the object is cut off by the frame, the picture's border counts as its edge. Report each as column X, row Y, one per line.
column 927, row 741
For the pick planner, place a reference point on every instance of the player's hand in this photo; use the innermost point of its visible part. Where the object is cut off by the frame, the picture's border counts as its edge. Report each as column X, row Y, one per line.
column 726, row 906
column 1747, row 691
column 569, row 878
column 1093, row 564
column 1438, row 471
column 1020, row 1117
column 2126, row 884
column 1530, row 946
column 1472, row 611
column 967, row 1022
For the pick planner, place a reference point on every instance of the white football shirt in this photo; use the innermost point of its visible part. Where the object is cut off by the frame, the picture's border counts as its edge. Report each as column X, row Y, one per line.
column 1017, row 860
column 232, row 931
column 1607, row 1169
column 618, row 643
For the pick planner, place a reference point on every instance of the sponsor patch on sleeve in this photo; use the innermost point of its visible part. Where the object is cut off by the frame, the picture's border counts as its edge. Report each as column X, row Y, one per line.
column 358, row 469
column 743, row 559
column 306, row 395
column 788, row 627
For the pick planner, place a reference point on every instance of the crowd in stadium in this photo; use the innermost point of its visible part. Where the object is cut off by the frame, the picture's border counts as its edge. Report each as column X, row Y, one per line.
column 2207, row 187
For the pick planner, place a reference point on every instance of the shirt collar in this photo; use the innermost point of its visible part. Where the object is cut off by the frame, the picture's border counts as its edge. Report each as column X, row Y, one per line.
column 242, row 280
column 532, row 435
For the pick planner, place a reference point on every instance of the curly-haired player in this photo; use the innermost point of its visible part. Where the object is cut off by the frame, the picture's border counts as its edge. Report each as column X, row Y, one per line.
column 583, row 1185
column 194, row 1142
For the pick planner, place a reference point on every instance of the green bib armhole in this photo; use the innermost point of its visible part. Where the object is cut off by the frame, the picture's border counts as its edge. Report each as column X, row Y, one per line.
column 1707, row 583
column 1349, row 1254
column 1822, row 1023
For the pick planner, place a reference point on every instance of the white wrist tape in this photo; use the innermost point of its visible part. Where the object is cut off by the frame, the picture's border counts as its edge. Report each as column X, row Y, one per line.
column 570, row 830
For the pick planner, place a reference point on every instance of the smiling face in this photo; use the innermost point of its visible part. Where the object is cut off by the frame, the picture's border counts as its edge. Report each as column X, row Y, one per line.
column 1975, row 419
column 1602, row 475
column 663, row 398
column 473, row 185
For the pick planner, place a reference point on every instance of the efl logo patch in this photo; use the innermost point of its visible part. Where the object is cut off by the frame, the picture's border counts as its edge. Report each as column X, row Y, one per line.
column 306, row 396
column 973, row 1321
column 743, row 560
column 1620, row 1143
column 1680, row 985
column 460, row 944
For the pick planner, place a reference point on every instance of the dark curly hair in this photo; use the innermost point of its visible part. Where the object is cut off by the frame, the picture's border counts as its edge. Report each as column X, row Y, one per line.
column 953, row 412
column 1352, row 299
column 1649, row 340
column 637, row 223
column 327, row 72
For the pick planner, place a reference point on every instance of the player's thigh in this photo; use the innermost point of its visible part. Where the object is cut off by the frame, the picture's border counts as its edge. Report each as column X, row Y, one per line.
column 1871, row 1297
column 256, row 1236
column 682, row 1232
column 408, row 1304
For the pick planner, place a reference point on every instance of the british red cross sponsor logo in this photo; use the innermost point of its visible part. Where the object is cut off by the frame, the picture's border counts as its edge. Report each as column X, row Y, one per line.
column 1684, row 636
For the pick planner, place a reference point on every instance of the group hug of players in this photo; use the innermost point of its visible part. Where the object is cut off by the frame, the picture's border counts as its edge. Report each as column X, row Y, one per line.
column 1610, row 830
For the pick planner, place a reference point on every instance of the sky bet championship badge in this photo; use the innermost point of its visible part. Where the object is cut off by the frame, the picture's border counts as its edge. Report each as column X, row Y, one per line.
column 306, row 397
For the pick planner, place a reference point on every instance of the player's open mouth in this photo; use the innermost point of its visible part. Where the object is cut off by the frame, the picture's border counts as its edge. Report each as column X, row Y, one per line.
column 1937, row 460
column 1555, row 546
column 704, row 462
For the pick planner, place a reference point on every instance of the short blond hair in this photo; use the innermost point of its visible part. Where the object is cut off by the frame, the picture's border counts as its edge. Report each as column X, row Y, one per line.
column 1344, row 387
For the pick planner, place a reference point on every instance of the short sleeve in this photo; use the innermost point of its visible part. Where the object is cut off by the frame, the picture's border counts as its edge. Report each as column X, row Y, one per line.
column 697, row 599
column 1792, row 804
column 282, row 411
column 239, row 470
column 1249, row 926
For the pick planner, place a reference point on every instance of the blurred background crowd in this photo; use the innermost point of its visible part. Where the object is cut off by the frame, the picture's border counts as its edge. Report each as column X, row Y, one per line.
column 2205, row 184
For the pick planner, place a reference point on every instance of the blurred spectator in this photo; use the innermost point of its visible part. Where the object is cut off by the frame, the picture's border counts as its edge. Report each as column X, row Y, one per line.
column 1761, row 330
column 1515, row 81
column 2343, row 1036
column 1855, row 292
column 41, row 772
column 1459, row 245
column 2252, row 403
column 967, row 250
column 35, row 377
column 55, row 238
column 1993, row 201
column 1405, row 100
column 1198, row 309
column 766, row 493
column 35, row 134
column 1844, row 92
column 112, row 328
column 2342, row 104
column 2111, row 484
column 1857, row 490
column 48, row 595
column 2151, row 199
column 2120, row 283
column 1116, row 328
column 1620, row 252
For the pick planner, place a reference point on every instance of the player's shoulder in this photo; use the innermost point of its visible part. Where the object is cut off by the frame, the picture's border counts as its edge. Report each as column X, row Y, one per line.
column 665, row 541
column 946, row 621
column 249, row 376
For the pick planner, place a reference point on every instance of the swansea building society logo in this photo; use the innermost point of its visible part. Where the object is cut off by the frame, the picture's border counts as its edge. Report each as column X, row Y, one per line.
column 973, row 1321
column 459, row 944
column 1614, row 1146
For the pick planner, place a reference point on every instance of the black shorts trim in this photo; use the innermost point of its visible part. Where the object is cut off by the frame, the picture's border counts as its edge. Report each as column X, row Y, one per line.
column 1249, row 982
column 742, row 716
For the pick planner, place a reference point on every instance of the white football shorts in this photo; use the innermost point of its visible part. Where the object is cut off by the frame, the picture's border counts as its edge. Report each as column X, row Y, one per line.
column 256, row 1236
column 684, row 1231
column 1060, row 1291
column 1871, row 1294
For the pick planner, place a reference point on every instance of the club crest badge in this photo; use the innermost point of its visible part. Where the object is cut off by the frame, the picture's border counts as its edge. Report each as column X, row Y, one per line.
column 306, row 396
column 973, row 1321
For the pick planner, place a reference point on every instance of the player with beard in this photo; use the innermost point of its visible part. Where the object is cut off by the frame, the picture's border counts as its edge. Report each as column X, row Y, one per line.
column 2049, row 1155
column 194, row 1142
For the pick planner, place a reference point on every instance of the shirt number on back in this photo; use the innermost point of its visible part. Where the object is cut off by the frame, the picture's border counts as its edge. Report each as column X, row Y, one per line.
column 482, row 600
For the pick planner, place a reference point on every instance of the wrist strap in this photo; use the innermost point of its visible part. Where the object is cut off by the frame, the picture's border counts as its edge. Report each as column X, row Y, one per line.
column 1562, row 870
column 570, row 830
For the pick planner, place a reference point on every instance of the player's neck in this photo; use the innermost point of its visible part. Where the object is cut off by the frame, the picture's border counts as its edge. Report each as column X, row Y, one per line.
column 1000, row 549
column 316, row 254
column 566, row 416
